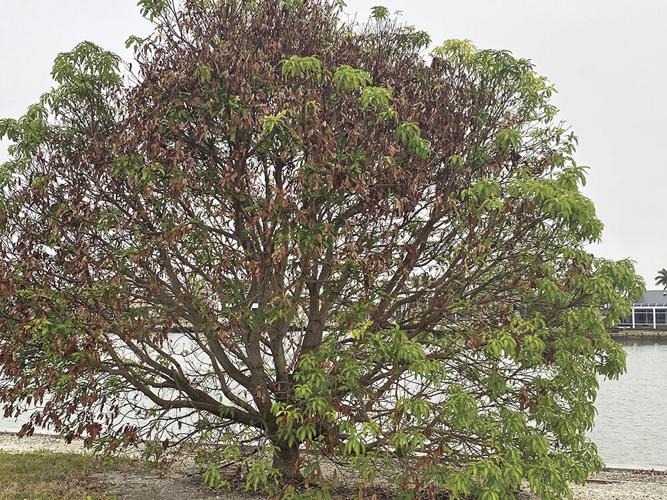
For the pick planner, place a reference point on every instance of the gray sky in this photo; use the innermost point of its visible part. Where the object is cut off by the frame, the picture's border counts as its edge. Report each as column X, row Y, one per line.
column 606, row 58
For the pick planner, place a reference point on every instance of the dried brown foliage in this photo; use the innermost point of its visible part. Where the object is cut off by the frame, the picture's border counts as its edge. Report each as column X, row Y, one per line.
column 301, row 231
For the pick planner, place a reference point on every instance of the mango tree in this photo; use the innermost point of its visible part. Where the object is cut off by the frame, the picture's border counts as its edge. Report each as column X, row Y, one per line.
column 307, row 240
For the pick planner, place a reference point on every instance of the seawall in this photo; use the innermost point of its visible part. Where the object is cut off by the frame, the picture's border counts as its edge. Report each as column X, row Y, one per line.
column 630, row 333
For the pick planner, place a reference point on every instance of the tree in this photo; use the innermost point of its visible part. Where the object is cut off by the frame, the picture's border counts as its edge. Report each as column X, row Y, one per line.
column 304, row 240
column 661, row 278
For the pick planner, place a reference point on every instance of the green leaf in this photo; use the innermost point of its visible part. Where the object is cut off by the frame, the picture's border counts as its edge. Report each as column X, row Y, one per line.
column 379, row 12
column 152, row 9
column 308, row 67
column 348, row 79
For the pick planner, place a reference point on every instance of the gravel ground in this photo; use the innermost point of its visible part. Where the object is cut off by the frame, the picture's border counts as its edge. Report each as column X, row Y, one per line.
column 174, row 485
column 624, row 485
column 9, row 442
column 620, row 484
column 617, row 484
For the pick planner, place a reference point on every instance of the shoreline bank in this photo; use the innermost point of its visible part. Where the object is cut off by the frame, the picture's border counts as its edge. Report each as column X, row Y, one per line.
column 639, row 334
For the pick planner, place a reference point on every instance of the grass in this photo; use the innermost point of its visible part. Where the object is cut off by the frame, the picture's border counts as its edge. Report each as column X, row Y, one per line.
column 46, row 475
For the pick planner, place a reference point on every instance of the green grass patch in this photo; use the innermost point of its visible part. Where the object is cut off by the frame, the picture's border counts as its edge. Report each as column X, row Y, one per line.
column 46, row 475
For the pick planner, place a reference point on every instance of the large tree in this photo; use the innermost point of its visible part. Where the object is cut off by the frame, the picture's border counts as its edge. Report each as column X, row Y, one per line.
column 305, row 240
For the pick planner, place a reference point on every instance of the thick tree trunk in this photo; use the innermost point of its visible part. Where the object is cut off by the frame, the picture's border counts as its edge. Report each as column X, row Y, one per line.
column 286, row 460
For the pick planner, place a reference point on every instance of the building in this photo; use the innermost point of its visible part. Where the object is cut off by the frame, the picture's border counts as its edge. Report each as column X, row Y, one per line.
column 650, row 311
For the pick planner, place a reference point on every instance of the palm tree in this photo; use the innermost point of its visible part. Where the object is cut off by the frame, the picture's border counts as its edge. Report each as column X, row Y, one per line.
column 661, row 278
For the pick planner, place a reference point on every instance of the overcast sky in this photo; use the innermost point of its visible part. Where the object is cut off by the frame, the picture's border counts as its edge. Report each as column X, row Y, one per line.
column 606, row 57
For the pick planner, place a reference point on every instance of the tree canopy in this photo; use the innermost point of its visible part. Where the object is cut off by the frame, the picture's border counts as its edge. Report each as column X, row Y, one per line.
column 306, row 241
column 661, row 278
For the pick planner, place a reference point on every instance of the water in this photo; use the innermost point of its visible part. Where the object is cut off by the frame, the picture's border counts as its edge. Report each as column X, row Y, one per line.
column 631, row 425
column 14, row 424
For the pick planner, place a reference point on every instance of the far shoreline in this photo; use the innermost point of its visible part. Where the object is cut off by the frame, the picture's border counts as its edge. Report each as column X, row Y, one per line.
column 630, row 333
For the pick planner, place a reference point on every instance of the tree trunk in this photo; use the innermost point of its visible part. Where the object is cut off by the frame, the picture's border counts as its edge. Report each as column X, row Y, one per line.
column 286, row 460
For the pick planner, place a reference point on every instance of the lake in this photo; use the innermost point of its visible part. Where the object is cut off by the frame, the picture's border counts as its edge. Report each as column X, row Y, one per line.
column 631, row 426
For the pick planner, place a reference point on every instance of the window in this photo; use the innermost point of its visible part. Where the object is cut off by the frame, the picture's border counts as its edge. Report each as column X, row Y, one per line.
column 644, row 317
column 627, row 320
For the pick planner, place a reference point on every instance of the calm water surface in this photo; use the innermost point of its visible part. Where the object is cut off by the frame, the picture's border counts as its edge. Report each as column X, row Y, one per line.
column 631, row 426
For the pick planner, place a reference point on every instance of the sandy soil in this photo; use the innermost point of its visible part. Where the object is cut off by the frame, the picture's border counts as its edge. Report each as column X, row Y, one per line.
column 9, row 442
column 623, row 485
column 620, row 484
column 172, row 486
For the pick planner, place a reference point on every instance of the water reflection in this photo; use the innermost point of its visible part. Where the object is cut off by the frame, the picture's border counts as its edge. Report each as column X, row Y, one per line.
column 631, row 426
